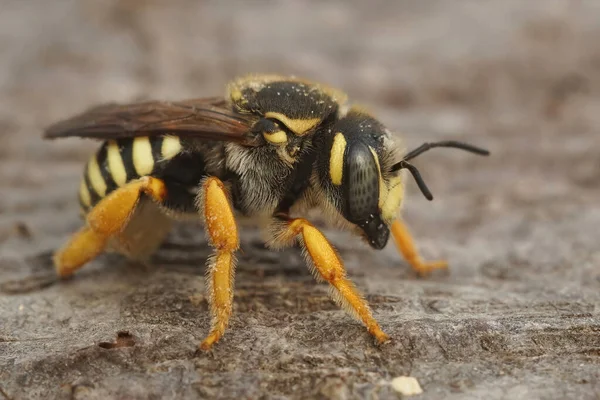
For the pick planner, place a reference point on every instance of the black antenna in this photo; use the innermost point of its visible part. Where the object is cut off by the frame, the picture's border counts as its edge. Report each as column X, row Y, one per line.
column 417, row 176
column 446, row 143
column 404, row 164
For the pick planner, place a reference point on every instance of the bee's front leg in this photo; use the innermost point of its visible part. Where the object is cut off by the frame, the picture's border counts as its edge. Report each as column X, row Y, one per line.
column 221, row 230
column 406, row 245
column 327, row 265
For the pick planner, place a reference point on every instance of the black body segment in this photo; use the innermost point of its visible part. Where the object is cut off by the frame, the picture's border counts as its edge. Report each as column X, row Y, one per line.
column 120, row 161
column 125, row 147
column 181, row 175
column 300, row 106
column 295, row 100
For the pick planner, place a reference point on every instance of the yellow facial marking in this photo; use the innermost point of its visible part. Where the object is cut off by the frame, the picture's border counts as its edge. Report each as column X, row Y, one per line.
column 382, row 188
column 84, row 194
column 278, row 137
column 171, row 146
column 336, row 159
column 376, row 158
column 115, row 163
column 393, row 200
column 95, row 177
column 143, row 161
column 390, row 195
column 298, row 126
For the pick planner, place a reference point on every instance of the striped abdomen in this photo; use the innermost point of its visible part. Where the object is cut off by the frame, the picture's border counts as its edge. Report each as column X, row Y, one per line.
column 120, row 161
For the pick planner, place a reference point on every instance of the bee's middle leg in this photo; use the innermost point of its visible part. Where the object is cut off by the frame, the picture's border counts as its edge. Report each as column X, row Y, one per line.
column 328, row 266
column 223, row 237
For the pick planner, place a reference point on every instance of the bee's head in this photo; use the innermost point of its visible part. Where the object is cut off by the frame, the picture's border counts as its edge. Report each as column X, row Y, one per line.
column 358, row 175
column 355, row 174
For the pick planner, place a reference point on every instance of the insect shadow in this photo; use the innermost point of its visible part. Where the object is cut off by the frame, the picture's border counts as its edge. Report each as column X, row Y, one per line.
column 254, row 259
column 184, row 256
column 41, row 275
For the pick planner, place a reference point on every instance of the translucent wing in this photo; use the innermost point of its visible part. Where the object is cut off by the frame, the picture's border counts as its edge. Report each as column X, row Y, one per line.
column 205, row 118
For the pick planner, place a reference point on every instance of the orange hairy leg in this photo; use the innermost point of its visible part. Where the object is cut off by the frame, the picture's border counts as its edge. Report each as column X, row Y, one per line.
column 406, row 245
column 223, row 237
column 329, row 266
column 105, row 220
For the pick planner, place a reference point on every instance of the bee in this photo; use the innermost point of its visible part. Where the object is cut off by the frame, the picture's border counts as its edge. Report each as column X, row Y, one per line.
column 272, row 149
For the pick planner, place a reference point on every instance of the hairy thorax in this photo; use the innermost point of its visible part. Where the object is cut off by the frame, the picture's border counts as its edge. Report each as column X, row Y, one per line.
column 259, row 179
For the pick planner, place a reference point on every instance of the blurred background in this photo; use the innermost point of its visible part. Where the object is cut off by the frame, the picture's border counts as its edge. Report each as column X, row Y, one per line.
column 520, row 228
column 520, row 78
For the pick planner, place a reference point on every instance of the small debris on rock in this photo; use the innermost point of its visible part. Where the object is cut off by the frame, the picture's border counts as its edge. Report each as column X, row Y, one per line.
column 406, row 385
column 196, row 299
column 21, row 230
column 124, row 339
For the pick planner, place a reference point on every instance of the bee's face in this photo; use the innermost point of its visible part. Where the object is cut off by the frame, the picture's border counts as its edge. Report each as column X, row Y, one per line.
column 355, row 173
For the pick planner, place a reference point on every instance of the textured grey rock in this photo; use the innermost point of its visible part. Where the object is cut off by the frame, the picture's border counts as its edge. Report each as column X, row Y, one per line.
column 517, row 316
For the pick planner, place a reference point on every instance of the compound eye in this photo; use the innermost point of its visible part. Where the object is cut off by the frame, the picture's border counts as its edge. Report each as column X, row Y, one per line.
column 271, row 131
column 362, row 183
column 362, row 194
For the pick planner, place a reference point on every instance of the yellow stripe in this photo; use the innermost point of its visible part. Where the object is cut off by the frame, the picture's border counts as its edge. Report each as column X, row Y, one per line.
column 336, row 159
column 95, row 177
column 115, row 163
column 298, row 126
column 84, row 194
column 393, row 200
column 383, row 191
column 143, row 162
column 376, row 159
column 390, row 194
column 171, row 146
column 278, row 137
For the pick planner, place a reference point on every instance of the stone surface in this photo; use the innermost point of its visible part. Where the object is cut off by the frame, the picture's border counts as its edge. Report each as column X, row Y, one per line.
column 516, row 317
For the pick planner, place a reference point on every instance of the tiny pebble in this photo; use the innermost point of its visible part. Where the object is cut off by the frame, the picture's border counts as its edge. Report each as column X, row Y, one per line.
column 406, row 385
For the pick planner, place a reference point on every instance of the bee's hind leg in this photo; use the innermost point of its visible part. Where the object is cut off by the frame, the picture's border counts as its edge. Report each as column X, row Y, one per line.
column 146, row 230
column 406, row 245
column 105, row 220
column 222, row 234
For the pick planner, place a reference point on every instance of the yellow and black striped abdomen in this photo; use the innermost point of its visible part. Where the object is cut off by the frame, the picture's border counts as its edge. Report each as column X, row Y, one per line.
column 120, row 161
